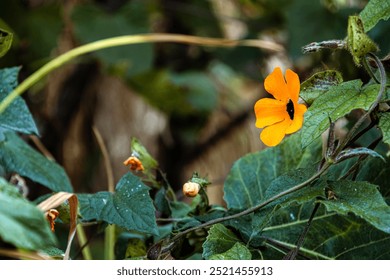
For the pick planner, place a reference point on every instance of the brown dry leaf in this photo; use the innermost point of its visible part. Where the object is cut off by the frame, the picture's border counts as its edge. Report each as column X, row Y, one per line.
column 55, row 201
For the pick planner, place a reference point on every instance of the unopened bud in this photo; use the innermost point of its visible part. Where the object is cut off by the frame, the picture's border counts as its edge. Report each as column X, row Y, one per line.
column 191, row 189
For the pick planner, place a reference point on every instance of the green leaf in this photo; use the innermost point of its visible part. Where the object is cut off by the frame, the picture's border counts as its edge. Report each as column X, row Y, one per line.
column 374, row 11
column 331, row 236
column 250, row 176
column 53, row 252
column 259, row 176
column 289, row 180
column 336, row 103
column 318, row 84
column 237, row 252
column 180, row 209
column 17, row 156
column 22, row 223
column 358, row 42
column 362, row 199
column 219, row 240
column 251, row 230
column 5, row 41
column 372, row 170
column 135, row 248
column 92, row 23
column 17, row 116
column 384, row 125
column 130, row 206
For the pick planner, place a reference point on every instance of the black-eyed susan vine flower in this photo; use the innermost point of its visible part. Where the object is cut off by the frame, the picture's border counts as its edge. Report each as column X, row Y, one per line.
column 282, row 115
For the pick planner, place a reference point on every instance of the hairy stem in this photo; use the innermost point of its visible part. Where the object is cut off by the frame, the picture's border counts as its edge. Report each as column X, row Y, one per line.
column 249, row 210
column 294, row 252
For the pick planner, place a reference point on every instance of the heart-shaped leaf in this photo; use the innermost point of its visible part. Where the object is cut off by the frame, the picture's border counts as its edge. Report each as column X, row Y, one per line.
column 130, row 206
column 17, row 116
column 17, row 156
column 335, row 104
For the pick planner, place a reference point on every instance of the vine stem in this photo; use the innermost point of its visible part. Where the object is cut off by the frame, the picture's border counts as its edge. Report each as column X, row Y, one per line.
column 109, row 231
column 249, row 210
column 129, row 40
column 382, row 89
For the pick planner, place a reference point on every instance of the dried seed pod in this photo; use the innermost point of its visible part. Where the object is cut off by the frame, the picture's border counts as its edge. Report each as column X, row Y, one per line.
column 191, row 189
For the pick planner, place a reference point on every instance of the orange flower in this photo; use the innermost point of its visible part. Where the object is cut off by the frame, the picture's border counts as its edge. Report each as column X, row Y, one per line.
column 282, row 115
column 135, row 163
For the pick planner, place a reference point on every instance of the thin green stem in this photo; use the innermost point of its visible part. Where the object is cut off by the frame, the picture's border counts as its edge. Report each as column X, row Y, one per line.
column 369, row 70
column 249, row 210
column 109, row 242
column 128, row 40
column 83, row 242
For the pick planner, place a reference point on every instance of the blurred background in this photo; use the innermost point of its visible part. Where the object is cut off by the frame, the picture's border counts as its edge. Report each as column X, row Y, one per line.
column 191, row 106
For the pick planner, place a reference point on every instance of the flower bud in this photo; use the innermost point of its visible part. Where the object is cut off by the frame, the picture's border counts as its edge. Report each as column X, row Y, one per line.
column 191, row 189
column 135, row 163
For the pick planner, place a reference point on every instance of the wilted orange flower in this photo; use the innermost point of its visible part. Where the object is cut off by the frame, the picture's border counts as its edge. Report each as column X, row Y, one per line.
column 51, row 215
column 282, row 115
column 135, row 163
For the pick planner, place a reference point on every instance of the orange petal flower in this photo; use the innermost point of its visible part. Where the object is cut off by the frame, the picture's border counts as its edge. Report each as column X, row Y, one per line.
column 282, row 115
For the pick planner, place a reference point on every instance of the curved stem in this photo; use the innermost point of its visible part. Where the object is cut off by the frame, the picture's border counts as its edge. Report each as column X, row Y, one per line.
column 129, row 40
column 249, row 210
column 369, row 70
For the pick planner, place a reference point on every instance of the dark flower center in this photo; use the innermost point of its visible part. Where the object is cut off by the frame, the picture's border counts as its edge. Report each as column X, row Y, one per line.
column 290, row 109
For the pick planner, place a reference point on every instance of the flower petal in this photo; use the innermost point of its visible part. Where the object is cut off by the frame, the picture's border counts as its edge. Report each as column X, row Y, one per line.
column 296, row 124
column 276, row 85
column 272, row 135
column 293, row 85
column 269, row 111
